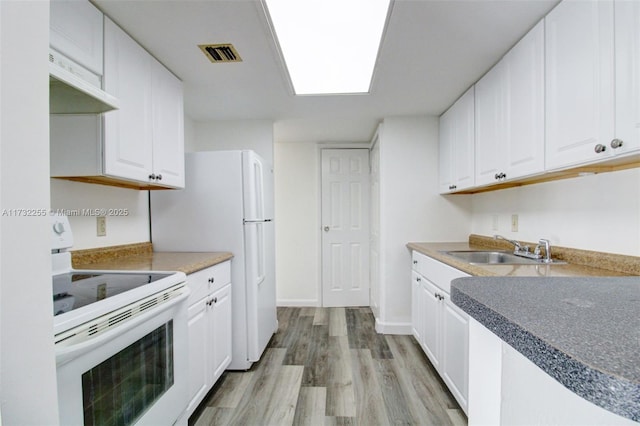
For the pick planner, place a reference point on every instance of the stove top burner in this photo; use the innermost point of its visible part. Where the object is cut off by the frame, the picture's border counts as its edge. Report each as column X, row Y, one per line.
column 76, row 289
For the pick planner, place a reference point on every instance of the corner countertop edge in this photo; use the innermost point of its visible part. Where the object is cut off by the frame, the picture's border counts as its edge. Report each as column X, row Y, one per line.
column 603, row 388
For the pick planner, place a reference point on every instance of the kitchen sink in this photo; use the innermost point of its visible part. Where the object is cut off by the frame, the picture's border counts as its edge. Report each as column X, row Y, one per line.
column 494, row 257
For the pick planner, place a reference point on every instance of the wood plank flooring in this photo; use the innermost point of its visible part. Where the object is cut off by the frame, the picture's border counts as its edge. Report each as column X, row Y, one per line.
column 328, row 366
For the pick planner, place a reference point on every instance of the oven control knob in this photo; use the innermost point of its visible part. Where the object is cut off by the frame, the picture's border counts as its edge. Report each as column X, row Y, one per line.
column 58, row 228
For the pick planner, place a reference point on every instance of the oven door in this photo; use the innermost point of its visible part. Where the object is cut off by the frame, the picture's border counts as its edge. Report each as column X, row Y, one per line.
column 133, row 373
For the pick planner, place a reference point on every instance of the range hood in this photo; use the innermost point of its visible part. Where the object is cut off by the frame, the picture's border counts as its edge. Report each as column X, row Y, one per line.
column 74, row 89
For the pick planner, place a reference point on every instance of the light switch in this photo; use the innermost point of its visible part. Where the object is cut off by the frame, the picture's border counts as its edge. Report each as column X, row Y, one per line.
column 101, row 226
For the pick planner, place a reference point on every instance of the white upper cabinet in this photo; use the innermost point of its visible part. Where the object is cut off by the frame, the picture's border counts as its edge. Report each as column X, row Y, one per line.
column 525, row 144
column 456, row 156
column 491, row 124
column 128, row 139
column 510, row 113
column 627, row 54
column 76, row 31
column 140, row 145
column 579, row 82
column 168, row 126
column 144, row 139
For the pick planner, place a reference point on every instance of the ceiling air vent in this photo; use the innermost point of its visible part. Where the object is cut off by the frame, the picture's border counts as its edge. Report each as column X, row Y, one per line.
column 220, row 52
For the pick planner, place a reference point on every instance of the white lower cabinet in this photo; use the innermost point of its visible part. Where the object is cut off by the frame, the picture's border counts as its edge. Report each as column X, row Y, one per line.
column 441, row 328
column 209, row 330
column 506, row 388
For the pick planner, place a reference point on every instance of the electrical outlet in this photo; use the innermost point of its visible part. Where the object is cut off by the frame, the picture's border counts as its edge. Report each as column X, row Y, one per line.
column 495, row 219
column 101, row 226
column 514, row 223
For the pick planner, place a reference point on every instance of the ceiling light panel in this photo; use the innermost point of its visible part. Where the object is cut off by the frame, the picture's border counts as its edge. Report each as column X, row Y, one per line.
column 329, row 46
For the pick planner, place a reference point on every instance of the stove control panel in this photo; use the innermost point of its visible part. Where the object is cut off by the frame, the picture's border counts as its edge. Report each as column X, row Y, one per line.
column 61, row 236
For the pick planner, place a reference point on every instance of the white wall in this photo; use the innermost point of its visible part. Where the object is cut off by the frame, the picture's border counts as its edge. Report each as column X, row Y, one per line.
column 597, row 212
column 132, row 228
column 297, row 204
column 411, row 210
column 189, row 134
column 27, row 358
column 256, row 135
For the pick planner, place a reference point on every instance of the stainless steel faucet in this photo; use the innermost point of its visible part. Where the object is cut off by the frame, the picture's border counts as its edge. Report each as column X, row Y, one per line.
column 516, row 244
column 524, row 251
column 547, row 250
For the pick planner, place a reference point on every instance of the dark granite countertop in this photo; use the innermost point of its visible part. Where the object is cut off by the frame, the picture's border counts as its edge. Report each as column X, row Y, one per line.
column 582, row 331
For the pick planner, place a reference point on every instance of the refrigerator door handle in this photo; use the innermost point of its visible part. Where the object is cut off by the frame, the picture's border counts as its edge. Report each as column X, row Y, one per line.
column 261, row 254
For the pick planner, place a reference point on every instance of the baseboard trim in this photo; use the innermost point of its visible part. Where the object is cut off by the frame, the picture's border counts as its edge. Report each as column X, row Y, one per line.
column 402, row 328
column 298, row 303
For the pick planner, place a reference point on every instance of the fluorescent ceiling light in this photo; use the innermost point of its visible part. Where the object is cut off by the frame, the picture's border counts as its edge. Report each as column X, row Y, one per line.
column 329, row 46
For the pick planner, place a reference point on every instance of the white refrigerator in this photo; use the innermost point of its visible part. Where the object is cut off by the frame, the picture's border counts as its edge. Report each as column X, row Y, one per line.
column 227, row 205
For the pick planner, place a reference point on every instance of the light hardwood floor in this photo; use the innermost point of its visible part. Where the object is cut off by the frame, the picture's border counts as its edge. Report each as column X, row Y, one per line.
column 328, row 366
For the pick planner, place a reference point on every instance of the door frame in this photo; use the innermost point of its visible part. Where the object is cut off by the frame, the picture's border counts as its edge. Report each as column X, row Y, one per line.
column 319, row 147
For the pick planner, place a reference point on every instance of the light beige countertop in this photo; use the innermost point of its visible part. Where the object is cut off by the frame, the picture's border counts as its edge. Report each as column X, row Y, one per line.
column 579, row 262
column 141, row 257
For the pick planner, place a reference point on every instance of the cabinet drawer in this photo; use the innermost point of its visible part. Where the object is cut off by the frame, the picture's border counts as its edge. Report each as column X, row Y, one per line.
column 435, row 271
column 206, row 281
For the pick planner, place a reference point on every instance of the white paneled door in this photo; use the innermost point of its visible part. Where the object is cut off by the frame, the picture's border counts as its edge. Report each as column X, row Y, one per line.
column 345, row 227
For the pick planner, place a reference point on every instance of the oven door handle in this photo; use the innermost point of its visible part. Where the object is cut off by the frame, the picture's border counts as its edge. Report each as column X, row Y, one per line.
column 64, row 354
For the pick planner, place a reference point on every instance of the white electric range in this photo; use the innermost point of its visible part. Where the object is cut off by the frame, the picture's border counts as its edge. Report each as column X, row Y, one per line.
column 120, row 340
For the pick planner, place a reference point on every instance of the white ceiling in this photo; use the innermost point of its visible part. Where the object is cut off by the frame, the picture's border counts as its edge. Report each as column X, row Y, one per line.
column 432, row 51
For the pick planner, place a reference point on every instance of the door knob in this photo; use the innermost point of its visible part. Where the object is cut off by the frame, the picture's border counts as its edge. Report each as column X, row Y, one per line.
column 326, row 229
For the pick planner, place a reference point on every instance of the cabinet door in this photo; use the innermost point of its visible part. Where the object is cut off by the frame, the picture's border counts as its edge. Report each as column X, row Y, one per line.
column 627, row 40
column 168, row 127
column 579, row 82
column 127, row 131
column 455, row 350
column 417, row 308
column 524, row 145
column 198, row 353
column 445, row 157
column 456, row 145
column 76, row 31
column 464, row 142
column 431, row 336
column 491, row 125
column 221, row 332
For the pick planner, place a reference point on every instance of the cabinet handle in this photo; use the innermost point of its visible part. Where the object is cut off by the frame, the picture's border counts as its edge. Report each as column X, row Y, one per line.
column 497, row 176
column 415, row 262
column 211, row 280
column 418, row 279
column 152, row 176
column 159, row 177
column 616, row 143
column 600, row 148
column 215, row 300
